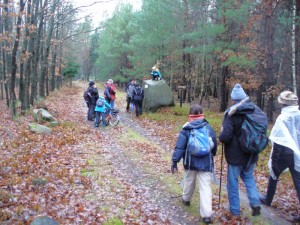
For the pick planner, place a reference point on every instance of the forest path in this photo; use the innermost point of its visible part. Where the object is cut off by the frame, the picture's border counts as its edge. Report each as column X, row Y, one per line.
column 123, row 146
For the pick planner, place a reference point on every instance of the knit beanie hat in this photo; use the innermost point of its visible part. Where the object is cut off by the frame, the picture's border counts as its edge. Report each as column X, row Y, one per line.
column 288, row 98
column 238, row 93
column 91, row 83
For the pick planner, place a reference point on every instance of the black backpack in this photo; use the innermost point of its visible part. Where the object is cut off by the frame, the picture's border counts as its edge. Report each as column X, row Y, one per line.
column 87, row 96
column 138, row 93
column 253, row 133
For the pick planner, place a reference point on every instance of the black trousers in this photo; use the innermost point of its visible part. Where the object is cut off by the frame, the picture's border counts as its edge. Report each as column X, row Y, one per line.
column 128, row 100
column 91, row 112
column 286, row 161
column 138, row 107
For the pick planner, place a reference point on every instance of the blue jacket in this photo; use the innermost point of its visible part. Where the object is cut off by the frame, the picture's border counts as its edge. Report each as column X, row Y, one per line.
column 204, row 163
column 102, row 108
column 229, row 135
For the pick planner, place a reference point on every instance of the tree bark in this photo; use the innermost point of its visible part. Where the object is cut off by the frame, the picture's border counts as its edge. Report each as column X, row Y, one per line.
column 14, row 61
column 23, row 81
column 6, row 56
column 44, row 72
column 269, row 61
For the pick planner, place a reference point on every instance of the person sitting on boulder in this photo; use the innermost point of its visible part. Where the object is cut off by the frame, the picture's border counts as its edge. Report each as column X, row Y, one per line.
column 155, row 73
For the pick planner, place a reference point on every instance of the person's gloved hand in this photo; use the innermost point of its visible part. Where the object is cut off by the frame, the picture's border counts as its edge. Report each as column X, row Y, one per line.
column 174, row 167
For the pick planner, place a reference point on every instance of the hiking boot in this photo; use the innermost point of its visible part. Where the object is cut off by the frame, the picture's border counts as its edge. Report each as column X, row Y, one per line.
column 255, row 211
column 186, row 203
column 263, row 200
column 296, row 219
column 207, row 220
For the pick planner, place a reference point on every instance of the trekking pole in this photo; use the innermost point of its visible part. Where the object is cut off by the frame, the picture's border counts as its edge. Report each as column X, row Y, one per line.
column 220, row 186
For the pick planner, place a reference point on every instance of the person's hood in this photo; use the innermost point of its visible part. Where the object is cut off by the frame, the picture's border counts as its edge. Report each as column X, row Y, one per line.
column 242, row 107
column 195, row 124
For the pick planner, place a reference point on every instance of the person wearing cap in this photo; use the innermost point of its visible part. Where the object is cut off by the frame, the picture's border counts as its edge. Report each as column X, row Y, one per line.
column 93, row 99
column 285, row 138
column 240, row 163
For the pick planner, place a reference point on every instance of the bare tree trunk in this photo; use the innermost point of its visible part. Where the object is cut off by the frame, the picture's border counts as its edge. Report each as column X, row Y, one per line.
column 14, row 61
column 269, row 61
column 53, row 63
column 31, row 51
column 185, row 56
column 44, row 72
column 297, row 47
column 23, row 82
column 294, row 48
column 223, row 89
column 6, row 56
column 1, row 58
column 36, row 55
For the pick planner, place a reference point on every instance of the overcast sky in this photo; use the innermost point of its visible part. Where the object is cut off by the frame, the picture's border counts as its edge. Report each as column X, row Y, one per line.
column 102, row 8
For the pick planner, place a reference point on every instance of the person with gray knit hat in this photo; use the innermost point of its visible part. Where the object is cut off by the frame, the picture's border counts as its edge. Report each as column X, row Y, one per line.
column 240, row 163
column 238, row 93
column 285, row 138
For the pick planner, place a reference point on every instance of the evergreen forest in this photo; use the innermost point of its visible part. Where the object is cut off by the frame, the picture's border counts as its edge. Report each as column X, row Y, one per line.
column 204, row 45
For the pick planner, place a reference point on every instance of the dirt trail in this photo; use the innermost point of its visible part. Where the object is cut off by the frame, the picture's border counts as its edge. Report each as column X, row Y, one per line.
column 152, row 193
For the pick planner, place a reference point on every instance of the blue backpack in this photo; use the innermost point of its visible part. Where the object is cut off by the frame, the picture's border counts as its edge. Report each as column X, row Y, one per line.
column 198, row 144
column 252, row 136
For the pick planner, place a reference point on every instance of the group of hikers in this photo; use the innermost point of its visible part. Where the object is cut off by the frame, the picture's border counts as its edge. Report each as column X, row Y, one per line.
column 134, row 97
column 243, row 137
column 197, row 145
column 99, row 106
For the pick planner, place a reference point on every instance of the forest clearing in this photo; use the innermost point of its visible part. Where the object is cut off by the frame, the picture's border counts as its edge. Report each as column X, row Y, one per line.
column 80, row 174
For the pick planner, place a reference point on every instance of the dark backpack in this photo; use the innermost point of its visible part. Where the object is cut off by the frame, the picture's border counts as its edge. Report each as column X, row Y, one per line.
column 138, row 93
column 100, row 102
column 198, row 144
column 252, row 136
column 107, row 93
column 87, row 96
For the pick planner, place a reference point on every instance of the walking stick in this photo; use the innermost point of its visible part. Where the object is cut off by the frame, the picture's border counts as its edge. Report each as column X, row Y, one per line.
column 220, row 186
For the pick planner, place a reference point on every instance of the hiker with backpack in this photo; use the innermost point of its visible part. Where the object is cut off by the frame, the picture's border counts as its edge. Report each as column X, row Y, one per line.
column 197, row 144
column 101, row 111
column 110, row 92
column 138, row 96
column 93, row 93
column 130, row 87
column 242, row 146
column 285, row 138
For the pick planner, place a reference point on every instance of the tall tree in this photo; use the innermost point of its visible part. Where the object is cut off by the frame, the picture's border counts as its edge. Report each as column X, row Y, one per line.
column 12, row 92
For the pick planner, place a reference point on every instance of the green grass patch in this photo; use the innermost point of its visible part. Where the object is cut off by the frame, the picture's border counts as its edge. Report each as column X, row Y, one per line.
column 113, row 221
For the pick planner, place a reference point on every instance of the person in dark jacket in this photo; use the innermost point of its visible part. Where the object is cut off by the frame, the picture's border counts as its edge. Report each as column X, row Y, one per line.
column 196, row 166
column 285, row 138
column 240, row 163
column 138, row 96
column 93, row 99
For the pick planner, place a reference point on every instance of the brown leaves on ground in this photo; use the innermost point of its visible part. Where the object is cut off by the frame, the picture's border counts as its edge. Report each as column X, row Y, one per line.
column 70, row 174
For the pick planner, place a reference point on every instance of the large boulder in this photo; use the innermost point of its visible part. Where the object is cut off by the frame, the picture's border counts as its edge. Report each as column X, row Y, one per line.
column 37, row 128
column 44, row 220
column 157, row 94
column 42, row 114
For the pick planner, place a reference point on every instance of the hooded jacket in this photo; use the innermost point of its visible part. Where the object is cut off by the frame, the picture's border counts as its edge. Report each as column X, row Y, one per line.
column 204, row 163
column 231, row 124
